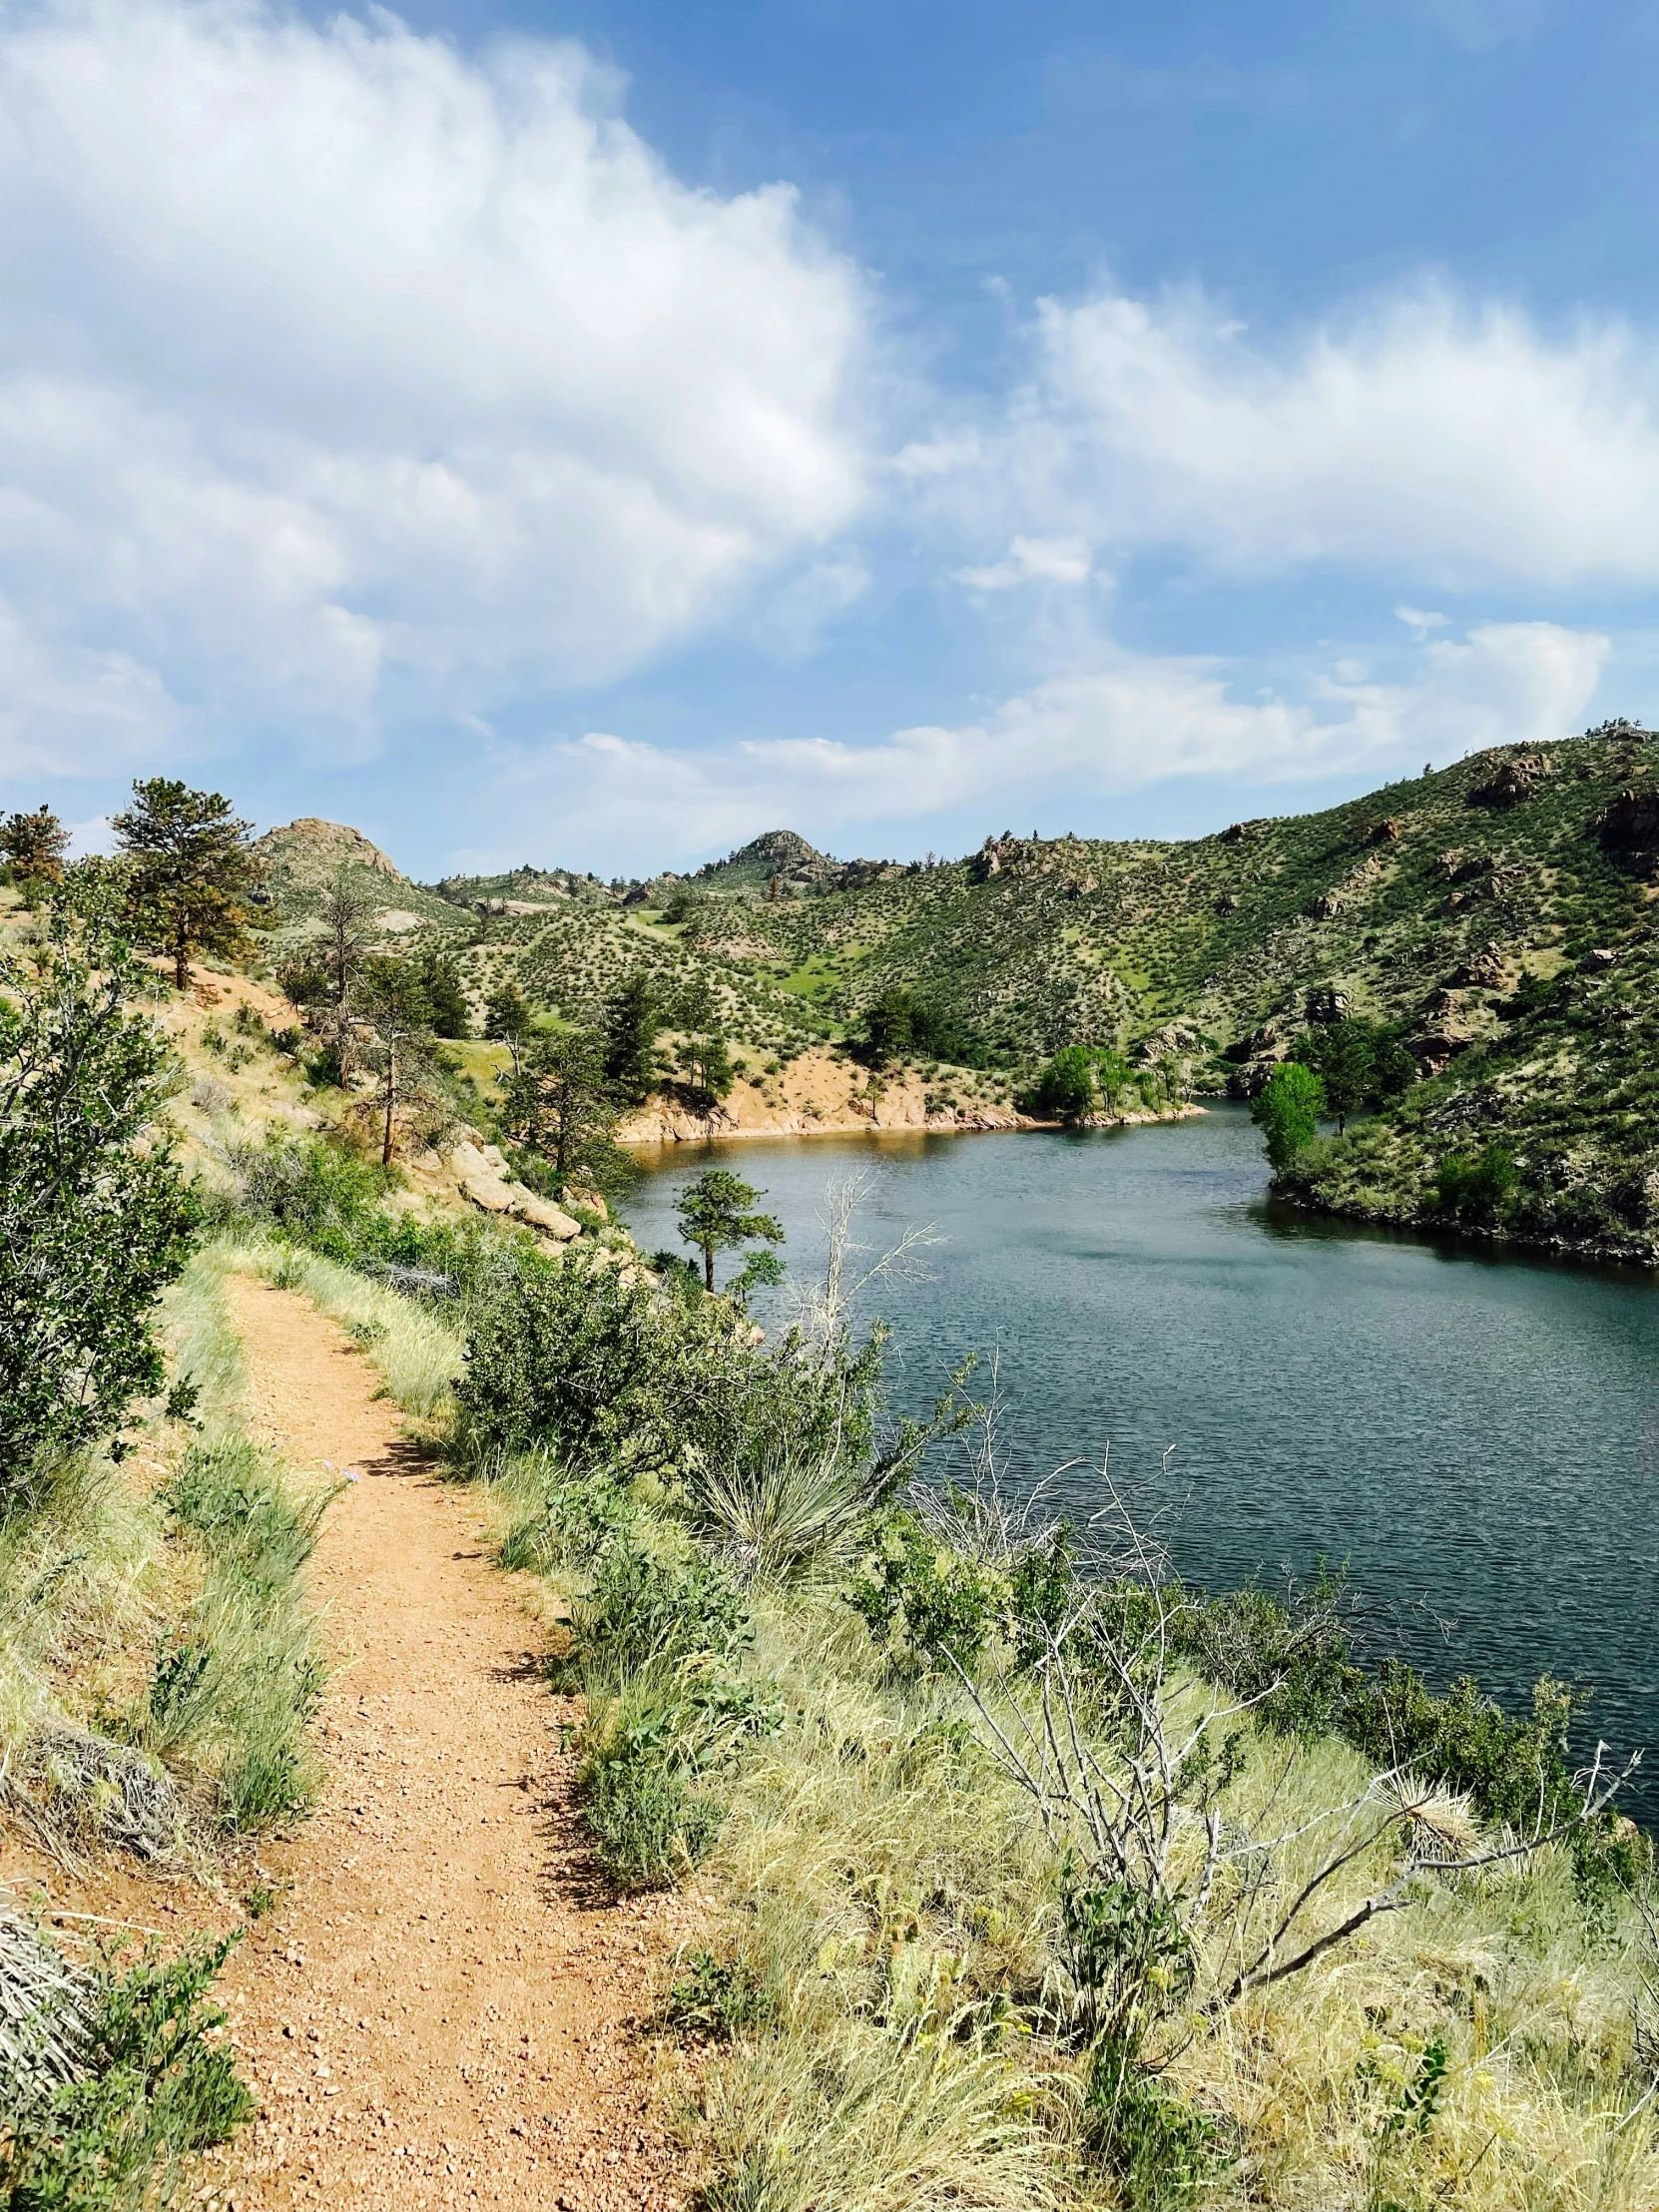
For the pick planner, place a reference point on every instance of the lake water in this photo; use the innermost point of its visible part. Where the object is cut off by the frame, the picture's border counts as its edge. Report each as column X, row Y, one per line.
column 1476, row 1435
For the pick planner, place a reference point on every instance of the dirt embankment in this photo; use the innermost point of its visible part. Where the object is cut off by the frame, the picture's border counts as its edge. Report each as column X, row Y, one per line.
column 823, row 1094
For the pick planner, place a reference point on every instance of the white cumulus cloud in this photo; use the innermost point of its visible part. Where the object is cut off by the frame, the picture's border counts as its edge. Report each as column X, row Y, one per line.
column 1421, row 437
column 343, row 372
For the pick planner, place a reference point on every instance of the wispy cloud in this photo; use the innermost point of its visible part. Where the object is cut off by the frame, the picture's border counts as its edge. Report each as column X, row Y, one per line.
column 1032, row 560
column 1129, row 722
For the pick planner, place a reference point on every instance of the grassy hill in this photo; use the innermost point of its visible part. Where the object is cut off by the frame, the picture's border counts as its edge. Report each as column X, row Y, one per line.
column 1495, row 916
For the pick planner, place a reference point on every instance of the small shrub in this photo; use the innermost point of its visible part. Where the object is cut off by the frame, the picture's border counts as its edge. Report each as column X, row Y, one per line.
column 1161, row 2149
column 926, row 1606
column 650, row 1825
column 1475, row 1186
column 155, row 2090
column 716, row 1996
column 573, row 1520
column 641, row 1611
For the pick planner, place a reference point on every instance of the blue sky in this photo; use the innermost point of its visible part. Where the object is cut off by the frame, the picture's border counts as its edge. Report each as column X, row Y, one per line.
column 592, row 434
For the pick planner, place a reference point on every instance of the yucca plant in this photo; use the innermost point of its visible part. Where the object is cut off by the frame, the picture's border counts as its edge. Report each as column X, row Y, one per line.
column 775, row 1520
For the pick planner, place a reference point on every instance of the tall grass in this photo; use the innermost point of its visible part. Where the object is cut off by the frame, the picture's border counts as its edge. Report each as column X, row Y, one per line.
column 154, row 1640
column 885, row 1978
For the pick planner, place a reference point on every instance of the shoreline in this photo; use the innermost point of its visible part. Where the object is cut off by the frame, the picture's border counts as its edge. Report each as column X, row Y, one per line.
column 686, row 1129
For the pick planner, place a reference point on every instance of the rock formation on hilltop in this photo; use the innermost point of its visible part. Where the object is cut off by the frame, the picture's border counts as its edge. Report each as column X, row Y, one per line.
column 311, row 853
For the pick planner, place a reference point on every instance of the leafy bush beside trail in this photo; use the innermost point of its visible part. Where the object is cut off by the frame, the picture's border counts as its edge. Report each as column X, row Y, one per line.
column 136, row 2082
column 95, row 1219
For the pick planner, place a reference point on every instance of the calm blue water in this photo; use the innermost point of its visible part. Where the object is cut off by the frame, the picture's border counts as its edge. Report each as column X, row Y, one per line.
column 1477, row 1437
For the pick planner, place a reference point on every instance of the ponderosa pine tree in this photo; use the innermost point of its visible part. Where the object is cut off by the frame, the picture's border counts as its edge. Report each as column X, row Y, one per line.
column 323, row 979
column 446, row 1003
column 34, row 847
column 714, row 1217
column 192, row 868
column 390, row 1004
column 558, row 1104
column 509, row 1019
column 632, row 1022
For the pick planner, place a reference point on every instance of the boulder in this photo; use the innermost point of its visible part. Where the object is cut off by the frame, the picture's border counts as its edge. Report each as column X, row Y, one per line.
column 1436, row 1051
column 491, row 1193
column 1631, row 821
column 542, row 1214
column 1514, row 780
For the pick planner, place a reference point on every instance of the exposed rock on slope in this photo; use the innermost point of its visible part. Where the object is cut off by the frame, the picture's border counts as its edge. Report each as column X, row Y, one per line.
column 311, row 853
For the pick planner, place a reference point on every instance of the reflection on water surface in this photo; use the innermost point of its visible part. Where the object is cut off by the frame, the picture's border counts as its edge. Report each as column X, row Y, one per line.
column 1476, row 1434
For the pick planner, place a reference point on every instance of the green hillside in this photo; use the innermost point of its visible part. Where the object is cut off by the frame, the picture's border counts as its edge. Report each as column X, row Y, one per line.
column 1495, row 917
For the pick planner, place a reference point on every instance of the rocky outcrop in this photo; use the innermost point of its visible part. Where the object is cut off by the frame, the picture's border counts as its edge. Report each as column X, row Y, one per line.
column 483, row 1176
column 1631, row 821
column 1516, row 781
column 311, row 853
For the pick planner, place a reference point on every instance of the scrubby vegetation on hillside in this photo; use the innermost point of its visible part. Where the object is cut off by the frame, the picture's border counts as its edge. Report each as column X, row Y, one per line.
column 1489, row 925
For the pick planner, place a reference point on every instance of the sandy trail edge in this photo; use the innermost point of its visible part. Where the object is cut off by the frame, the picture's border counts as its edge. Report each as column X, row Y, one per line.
column 440, row 2008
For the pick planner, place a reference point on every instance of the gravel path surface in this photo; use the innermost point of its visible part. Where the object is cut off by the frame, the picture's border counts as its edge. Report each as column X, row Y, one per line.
column 442, row 2008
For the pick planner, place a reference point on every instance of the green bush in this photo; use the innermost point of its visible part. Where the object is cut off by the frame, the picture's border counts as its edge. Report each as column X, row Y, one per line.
column 1161, row 2149
column 650, row 1825
column 596, row 1367
column 575, row 1517
column 318, row 1193
column 156, row 2090
column 716, row 1996
column 641, row 1611
column 95, row 1219
column 927, row 1607
column 1287, row 1111
column 1475, row 1186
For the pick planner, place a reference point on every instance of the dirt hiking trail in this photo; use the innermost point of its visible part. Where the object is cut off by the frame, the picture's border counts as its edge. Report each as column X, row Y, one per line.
column 440, row 2009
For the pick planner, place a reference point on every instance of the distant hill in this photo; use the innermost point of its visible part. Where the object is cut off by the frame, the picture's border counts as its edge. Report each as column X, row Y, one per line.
column 303, row 858
column 1497, row 915
column 526, row 884
column 779, row 853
